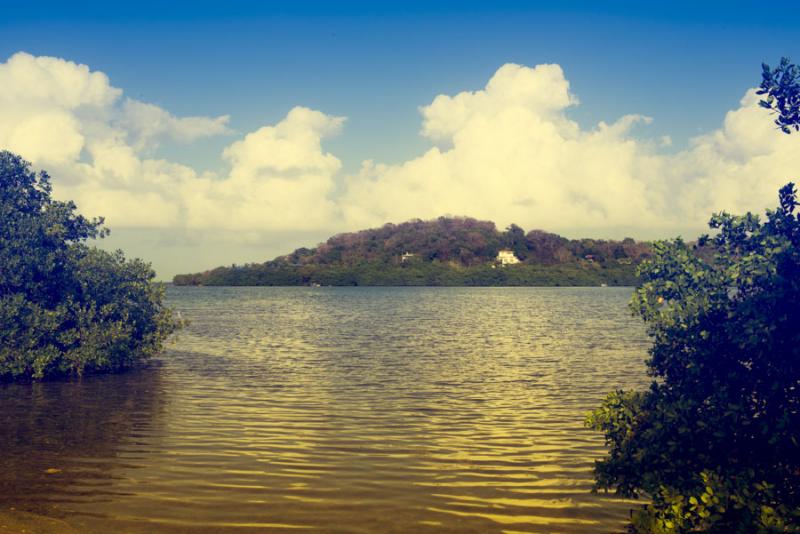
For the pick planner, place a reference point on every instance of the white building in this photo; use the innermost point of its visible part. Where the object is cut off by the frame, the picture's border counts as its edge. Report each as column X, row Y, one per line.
column 407, row 256
column 507, row 257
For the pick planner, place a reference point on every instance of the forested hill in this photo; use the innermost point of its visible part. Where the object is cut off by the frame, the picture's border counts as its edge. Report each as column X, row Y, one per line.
column 444, row 251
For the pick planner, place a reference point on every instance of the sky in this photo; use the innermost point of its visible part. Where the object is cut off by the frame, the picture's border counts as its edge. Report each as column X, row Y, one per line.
column 213, row 133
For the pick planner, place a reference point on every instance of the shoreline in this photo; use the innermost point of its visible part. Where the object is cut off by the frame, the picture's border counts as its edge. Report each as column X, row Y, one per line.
column 548, row 286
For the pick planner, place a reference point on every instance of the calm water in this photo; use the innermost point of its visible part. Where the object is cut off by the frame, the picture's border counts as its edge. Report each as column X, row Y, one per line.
column 338, row 410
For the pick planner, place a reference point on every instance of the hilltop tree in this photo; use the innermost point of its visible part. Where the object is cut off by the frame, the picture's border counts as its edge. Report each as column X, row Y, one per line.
column 548, row 248
column 66, row 307
column 514, row 239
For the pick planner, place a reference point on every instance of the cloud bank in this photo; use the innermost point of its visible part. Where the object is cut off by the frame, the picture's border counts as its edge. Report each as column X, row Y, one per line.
column 507, row 152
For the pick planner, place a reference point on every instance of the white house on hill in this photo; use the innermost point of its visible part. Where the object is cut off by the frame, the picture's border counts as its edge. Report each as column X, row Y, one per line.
column 507, row 257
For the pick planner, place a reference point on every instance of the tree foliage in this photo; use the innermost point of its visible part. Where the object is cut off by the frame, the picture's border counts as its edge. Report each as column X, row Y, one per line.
column 781, row 86
column 715, row 440
column 66, row 307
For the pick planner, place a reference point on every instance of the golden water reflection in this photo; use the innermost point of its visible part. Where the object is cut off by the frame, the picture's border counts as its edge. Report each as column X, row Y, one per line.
column 339, row 410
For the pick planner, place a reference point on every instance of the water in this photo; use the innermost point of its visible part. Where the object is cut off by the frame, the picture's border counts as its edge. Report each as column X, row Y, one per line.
column 338, row 410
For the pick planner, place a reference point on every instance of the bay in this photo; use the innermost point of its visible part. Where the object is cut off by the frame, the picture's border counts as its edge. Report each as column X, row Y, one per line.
column 338, row 410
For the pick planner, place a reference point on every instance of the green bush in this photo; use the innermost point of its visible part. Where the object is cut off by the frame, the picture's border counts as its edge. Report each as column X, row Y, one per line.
column 715, row 441
column 65, row 307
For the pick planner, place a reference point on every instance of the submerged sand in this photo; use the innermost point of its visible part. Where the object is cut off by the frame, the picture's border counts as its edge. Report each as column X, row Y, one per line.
column 17, row 522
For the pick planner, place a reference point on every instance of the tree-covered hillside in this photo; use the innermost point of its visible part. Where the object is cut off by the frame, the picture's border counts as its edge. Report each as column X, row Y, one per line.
column 444, row 251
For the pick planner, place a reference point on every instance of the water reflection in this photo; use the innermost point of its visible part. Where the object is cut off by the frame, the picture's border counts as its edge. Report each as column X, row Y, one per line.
column 64, row 443
column 343, row 410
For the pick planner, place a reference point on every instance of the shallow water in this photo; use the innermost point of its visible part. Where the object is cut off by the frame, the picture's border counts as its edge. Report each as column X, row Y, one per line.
column 338, row 410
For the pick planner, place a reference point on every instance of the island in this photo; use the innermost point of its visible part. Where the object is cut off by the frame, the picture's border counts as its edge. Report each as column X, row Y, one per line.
column 448, row 251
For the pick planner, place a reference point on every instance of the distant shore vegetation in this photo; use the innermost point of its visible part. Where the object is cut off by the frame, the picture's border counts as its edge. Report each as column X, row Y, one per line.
column 448, row 251
column 67, row 308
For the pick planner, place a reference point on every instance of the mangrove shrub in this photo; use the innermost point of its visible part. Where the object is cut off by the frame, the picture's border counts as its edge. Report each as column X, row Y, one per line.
column 66, row 307
column 714, row 443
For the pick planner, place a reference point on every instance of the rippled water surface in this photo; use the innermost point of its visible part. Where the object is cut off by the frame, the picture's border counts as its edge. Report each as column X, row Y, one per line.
column 338, row 410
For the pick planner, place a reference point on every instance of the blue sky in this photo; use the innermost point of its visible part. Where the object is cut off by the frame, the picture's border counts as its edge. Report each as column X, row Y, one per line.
column 683, row 64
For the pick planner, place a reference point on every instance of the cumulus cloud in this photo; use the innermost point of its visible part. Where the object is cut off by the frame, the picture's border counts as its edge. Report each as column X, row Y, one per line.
column 280, row 179
column 513, row 155
column 542, row 90
column 508, row 152
column 50, row 107
column 70, row 120
column 148, row 123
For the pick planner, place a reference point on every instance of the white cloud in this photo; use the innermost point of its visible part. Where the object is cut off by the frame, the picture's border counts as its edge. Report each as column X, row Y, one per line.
column 71, row 121
column 290, row 147
column 148, row 123
column 53, row 82
column 514, row 156
column 542, row 90
column 508, row 152
column 47, row 136
column 280, row 179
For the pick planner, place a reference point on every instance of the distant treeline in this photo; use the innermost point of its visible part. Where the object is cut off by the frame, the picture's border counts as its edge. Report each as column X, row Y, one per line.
column 441, row 252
